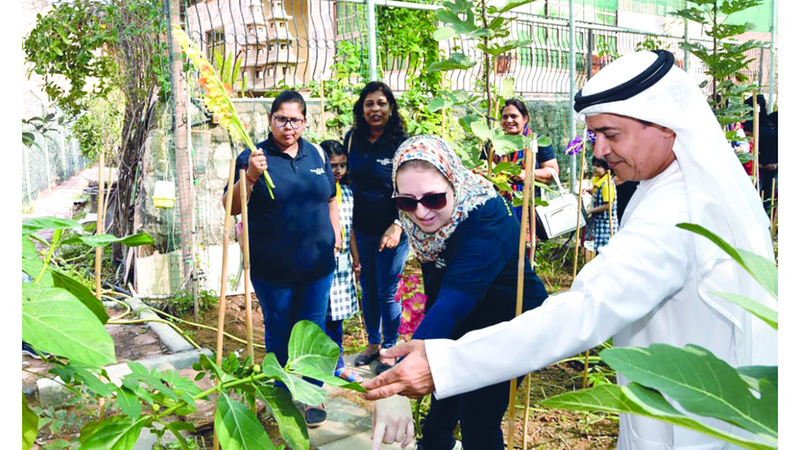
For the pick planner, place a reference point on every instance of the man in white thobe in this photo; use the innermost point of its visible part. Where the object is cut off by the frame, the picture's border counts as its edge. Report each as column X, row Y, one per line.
column 651, row 283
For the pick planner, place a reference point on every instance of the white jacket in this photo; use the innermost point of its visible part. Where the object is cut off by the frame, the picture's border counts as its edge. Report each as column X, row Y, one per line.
column 641, row 289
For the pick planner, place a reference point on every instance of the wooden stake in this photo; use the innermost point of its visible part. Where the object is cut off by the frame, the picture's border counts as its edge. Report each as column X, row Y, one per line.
column 580, row 201
column 772, row 211
column 246, row 265
column 756, row 171
column 527, row 412
column 100, row 229
column 526, row 198
column 322, row 105
column 223, row 283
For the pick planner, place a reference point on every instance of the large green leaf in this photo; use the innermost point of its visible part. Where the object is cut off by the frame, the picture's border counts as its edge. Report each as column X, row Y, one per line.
column 762, row 269
column 29, row 249
column 702, row 383
column 129, row 403
column 176, row 427
column 302, row 391
column 511, row 4
column 30, row 226
column 313, row 354
column 439, row 103
column 444, row 33
column 101, row 240
column 753, row 374
column 766, row 314
column 116, row 433
column 54, row 321
column 457, row 61
column 291, row 423
column 635, row 399
column 33, row 267
column 82, row 293
column 238, row 428
column 507, row 88
column 30, row 425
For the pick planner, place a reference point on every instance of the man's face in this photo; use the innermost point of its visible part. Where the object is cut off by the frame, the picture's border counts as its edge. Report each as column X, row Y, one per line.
column 633, row 150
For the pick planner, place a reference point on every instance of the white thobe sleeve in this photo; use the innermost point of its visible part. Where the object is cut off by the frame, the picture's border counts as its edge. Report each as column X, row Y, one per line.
column 643, row 265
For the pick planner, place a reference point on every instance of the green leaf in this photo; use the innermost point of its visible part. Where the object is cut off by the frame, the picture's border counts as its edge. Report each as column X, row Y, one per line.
column 511, row 4
column 29, row 249
column 507, row 88
column 54, row 321
column 176, row 427
column 33, row 267
column 313, row 354
column 762, row 269
column 128, row 403
column 82, row 293
column 301, row 390
column 28, row 138
column 439, row 103
column 30, row 425
column 441, row 34
column 30, row 226
column 291, row 423
column 457, row 61
column 115, row 433
column 634, row 399
column 753, row 374
column 768, row 315
column 238, row 428
column 105, row 239
column 702, row 383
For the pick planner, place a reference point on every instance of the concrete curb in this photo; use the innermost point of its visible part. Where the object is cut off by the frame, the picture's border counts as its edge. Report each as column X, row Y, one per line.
column 168, row 336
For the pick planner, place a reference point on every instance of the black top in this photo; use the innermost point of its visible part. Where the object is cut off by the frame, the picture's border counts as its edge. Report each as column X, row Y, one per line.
column 291, row 237
column 473, row 282
column 370, row 167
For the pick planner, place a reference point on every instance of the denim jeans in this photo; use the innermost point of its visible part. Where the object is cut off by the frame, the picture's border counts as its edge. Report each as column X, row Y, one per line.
column 379, row 271
column 285, row 304
column 335, row 331
column 481, row 414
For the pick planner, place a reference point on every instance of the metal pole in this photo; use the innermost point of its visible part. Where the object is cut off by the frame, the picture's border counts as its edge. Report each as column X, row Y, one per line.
column 572, row 88
column 771, row 104
column 372, row 44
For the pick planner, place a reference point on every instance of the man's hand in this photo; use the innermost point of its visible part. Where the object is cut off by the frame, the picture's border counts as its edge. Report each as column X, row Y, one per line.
column 392, row 422
column 410, row 377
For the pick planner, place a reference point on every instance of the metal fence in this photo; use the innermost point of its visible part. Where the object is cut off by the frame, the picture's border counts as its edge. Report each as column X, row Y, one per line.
column 294, row 43
column 51, row 160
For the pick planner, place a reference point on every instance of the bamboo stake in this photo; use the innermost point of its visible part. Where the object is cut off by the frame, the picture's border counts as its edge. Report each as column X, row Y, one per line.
column 100, row 228
column 526, row 198
column 322, row 104
column 246, row 264
column 527, row 412
column 223, row 285
column 580, row 201
column 756, row 171
column 772, row 211
column 533, row 208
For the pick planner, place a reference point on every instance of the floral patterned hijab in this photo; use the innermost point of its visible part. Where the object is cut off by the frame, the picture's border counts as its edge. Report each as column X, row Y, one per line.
column 470, row 191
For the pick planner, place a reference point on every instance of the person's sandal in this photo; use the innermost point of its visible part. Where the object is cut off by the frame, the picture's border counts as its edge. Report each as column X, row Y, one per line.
column 382, row 367
column 315, row 415
column 365, row 360
column 348, row 375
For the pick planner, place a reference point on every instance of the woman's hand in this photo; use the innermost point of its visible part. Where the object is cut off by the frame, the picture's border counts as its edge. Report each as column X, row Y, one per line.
column 392, row 422
column 391, row 237
column 257, row 164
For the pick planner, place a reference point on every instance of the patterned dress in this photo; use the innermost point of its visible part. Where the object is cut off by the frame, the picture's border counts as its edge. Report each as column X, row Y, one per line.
column 599, row 227
column 343, row 302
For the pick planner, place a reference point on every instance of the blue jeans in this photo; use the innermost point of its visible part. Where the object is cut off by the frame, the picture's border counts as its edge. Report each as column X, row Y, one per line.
column 335, row 331
column 379, row 272
column 285, row 304
column 481, row 414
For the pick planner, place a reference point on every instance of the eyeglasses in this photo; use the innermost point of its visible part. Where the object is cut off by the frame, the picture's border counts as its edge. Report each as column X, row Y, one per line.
column 430, row 201
column 282, row 121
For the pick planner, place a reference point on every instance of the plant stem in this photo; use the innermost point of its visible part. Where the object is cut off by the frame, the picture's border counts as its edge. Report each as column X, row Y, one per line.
column 51, row 249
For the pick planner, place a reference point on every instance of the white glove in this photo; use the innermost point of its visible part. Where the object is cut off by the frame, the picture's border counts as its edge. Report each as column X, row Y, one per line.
column 392, row 422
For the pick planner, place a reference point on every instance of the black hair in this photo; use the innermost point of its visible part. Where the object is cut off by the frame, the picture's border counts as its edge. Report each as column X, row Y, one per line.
column 288, row 96
column 395, row 127
column 600, row 162
column 335, row 148
column 519, row 104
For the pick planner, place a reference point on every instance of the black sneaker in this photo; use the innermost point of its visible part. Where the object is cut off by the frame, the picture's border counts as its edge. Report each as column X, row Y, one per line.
column 27, row 350
column 315, row 415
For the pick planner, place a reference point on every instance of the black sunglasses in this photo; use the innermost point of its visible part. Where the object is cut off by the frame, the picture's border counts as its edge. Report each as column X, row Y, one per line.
column 430, row 201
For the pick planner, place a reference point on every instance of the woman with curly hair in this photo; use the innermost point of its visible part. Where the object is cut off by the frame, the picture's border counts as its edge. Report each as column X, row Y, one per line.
column 379, row 129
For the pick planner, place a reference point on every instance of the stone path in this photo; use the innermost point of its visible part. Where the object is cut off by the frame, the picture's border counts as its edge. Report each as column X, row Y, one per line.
column 348, row 426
